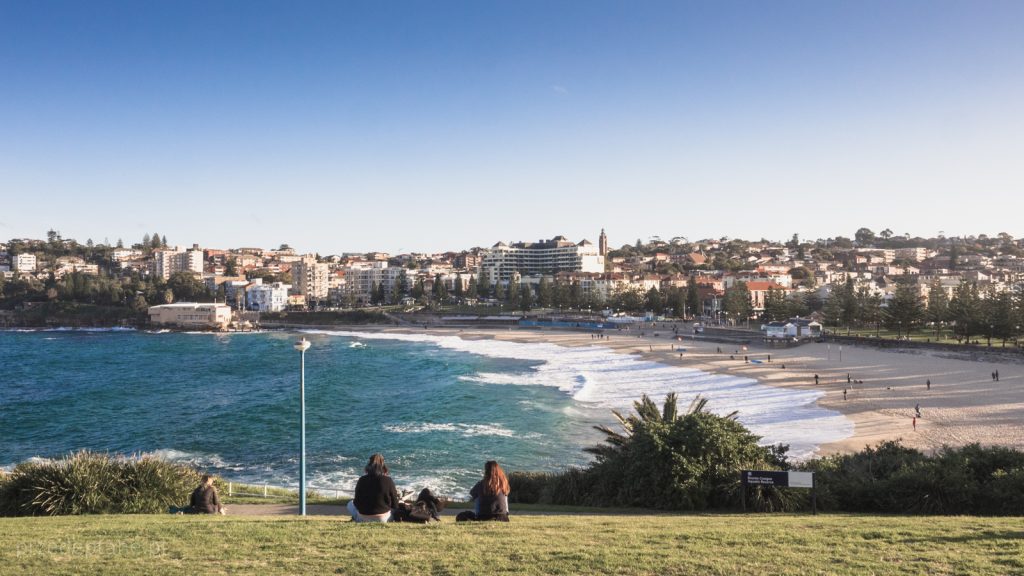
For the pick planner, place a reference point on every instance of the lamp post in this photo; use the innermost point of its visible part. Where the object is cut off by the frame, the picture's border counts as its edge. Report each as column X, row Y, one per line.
column 302, row 346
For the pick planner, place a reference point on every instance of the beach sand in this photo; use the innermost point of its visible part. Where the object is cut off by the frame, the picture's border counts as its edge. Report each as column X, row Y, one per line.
column 964, row 404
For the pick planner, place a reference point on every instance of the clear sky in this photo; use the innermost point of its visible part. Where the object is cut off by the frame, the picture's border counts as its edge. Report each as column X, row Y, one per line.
column 427, row 126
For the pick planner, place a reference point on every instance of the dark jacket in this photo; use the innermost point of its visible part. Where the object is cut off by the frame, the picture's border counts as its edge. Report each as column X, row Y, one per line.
column 375, row 495
column 492, row 506
column 204, row 500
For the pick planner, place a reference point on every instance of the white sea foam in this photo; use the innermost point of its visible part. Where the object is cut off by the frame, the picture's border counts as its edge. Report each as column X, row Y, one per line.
column 601, row 378
column 343, row 482
column 70, row 329
column 198, row 459
column 461, row 429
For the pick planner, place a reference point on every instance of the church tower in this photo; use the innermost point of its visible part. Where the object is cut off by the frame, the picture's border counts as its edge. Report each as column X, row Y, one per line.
column 602, row 243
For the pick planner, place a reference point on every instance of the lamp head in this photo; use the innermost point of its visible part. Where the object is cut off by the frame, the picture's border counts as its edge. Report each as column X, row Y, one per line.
column 302, row 345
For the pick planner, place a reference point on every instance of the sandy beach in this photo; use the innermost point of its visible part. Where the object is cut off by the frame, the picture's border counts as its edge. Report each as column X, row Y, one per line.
column 963, row 405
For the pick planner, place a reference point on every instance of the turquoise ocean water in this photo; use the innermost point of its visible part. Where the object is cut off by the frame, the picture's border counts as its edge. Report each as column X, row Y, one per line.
column 436, row 406
column 229, row 403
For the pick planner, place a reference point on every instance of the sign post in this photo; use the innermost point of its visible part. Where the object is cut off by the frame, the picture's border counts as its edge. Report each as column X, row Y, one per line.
column 781, row 479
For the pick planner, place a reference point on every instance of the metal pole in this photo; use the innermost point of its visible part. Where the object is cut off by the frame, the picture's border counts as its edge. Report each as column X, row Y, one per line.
column 302, row 435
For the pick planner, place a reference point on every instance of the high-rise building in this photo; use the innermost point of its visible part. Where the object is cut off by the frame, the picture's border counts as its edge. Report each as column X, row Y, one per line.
column 310, row 278
column 168, row 261
column 548, row 257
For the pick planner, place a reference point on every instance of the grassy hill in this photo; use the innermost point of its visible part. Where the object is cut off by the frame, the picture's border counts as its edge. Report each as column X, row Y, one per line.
column 616, row 544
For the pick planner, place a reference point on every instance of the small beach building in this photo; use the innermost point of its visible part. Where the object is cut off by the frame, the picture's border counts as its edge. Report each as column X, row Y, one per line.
column 804, row 328
column 798, row 328
column 777, row 329
column 191, row 315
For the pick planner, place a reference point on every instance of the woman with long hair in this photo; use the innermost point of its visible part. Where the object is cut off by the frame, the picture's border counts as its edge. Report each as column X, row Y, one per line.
column 376, row 495
column 490, row 495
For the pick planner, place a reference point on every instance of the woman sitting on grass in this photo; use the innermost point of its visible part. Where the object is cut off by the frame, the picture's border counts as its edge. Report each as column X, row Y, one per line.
column 204, row 498
column 376, row 495
column 490, row 496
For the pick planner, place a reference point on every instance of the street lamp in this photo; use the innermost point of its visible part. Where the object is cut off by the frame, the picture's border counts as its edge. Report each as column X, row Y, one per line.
column 302, row 346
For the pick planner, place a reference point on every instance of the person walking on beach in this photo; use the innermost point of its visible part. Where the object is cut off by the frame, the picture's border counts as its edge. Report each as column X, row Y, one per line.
column 844, row 393
column 997, row 375
column 928, row 384
column 917, row 410
column 848, row 381
column 913, row 422
column 815, row 379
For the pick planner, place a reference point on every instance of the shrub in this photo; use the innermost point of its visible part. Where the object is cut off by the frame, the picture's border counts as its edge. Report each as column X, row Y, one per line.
column 891, row 478
column 90, row 483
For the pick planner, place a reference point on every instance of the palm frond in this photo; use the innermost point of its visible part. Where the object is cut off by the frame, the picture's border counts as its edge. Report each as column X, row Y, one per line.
column 669, row 412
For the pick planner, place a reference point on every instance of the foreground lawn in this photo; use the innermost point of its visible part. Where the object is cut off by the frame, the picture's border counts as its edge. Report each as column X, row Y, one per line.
column 690, row 544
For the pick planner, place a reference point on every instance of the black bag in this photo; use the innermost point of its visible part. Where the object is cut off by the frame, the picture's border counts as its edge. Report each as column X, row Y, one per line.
column 421, row 511
column 426, row 508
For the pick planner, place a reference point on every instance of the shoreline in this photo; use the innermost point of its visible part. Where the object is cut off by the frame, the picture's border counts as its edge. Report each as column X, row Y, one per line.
column 964, row 404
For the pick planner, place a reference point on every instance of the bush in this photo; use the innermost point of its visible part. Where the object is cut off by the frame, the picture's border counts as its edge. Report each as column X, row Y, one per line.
column 90, row 483
column 891, row 478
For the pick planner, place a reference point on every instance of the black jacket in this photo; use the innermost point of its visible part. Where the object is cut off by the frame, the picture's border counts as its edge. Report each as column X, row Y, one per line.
column 204, row 500
column 375, row 495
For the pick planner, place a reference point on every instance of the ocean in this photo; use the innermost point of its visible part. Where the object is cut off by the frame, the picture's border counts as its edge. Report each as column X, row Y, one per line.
column 437, row 407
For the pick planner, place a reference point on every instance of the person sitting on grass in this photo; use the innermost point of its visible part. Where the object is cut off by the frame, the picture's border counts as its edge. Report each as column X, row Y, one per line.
column 490, row 496
column 204, row 498
column 376, row 495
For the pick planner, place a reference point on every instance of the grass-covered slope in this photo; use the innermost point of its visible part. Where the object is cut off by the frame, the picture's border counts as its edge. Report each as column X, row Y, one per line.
column 664, row 544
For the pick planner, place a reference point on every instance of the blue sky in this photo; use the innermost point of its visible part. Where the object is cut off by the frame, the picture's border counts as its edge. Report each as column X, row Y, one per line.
column 429, row 126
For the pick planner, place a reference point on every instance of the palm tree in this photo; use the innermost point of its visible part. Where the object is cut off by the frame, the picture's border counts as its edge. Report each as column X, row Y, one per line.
column 647, row 413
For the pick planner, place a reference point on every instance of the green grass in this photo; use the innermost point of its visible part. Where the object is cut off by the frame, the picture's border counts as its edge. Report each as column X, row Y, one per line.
column 633, row 544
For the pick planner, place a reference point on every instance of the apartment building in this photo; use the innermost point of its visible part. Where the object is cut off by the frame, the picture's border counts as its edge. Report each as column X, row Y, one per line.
column 24, row 262
column 171, row 261
column 311, row 278
column 261, row 297
column 545, row 257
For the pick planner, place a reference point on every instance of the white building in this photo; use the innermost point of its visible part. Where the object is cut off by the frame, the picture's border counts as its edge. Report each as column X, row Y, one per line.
column 170, row 261
column 191, row 315
column 122, row 254
column 546, row 257
column 267, row 297
column 24, row 263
